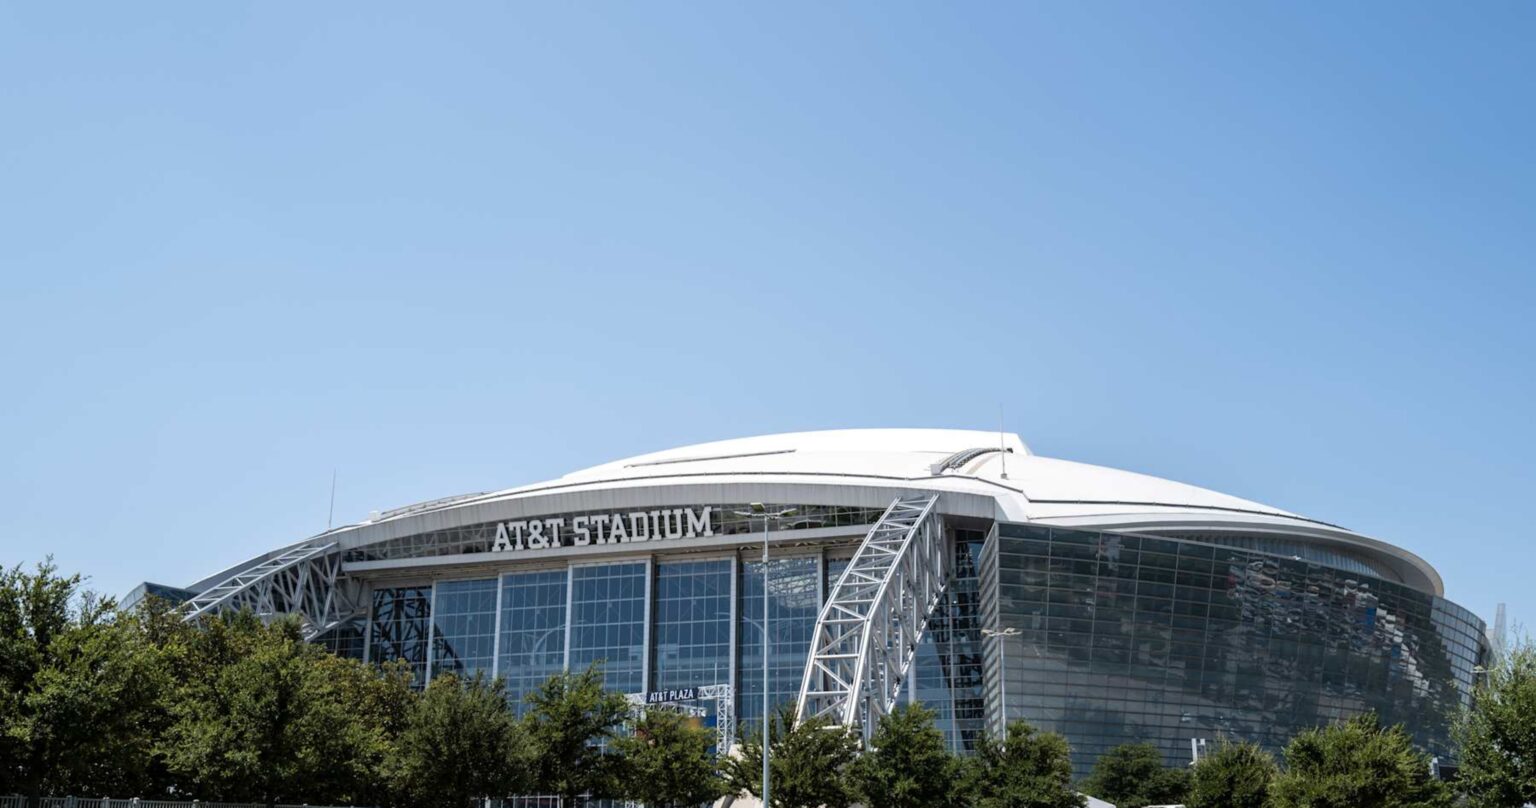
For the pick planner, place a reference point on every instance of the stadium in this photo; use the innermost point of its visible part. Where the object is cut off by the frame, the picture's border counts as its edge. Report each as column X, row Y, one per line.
column 950, row 567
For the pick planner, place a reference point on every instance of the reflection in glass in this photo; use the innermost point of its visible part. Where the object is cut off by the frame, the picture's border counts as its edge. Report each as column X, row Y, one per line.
column 400, row 626
column 464, row 627
column 692, row 644
column 794, row 599
column 532, row 631
column 608, row 623
column 1128, row 638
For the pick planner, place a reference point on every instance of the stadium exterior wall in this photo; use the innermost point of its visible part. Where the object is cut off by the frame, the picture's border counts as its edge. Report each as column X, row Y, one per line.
column 1109, row 606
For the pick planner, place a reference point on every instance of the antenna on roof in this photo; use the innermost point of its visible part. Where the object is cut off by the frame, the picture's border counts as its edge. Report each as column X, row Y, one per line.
column 1497, row 634
column 330, row 516
column 1002, row 443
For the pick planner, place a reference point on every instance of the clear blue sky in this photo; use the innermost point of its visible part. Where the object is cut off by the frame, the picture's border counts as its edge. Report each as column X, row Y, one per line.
column 1281, row 250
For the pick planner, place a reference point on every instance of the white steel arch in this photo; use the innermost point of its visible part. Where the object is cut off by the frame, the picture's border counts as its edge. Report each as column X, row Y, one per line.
column 304, row 580
column 867, row 634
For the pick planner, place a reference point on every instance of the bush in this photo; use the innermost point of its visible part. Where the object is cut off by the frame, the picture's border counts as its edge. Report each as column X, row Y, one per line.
column 1356, row 764
column 1234, row 776
column 1132, row 776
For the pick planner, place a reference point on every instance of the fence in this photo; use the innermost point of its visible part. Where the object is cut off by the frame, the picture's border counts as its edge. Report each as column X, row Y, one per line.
column 16, row 801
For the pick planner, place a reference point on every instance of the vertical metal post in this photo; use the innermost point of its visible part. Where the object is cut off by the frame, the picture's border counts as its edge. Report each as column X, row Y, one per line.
column 426, row 678
column 735, row 672
column 1002, row 669
column 646, row 657
column 496, row 623
column 570, row 595
column 766, row 716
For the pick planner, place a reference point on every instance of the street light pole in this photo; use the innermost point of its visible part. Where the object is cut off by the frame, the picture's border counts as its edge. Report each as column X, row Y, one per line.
column 1002, row 636
column 766, row 717
column 761, row 510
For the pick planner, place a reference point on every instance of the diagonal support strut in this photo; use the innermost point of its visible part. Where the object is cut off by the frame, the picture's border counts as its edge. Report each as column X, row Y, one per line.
column 867, row 633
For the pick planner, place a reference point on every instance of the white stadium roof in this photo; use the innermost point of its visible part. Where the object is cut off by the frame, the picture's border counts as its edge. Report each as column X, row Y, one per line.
column 1021, row 487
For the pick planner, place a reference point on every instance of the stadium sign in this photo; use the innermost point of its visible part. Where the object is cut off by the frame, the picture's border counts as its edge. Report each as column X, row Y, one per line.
column 667, row 696
column 604, row 528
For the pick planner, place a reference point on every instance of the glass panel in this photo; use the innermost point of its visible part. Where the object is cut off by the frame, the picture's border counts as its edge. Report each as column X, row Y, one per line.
column 947, row 673
column 464, row 627
column 608, row 623
column 400, row 626
column 793, row 603
column 1179, row 640
column 692, row 644
column 532, row 631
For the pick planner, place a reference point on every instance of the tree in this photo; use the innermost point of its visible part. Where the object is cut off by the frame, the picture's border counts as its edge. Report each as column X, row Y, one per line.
column 79, row 690
column 382, row 700
column 1356, row 764
column 908, row 764
column 1026, row 769
column 666, row 763
column 569, row 726
column 1131, row 775
column 1236, row 775
column 261, row 716
column 460, row 741
column 809, row 764
column 1497, row 735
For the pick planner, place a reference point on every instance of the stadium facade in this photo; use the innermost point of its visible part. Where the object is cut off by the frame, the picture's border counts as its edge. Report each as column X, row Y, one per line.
column 951, row 567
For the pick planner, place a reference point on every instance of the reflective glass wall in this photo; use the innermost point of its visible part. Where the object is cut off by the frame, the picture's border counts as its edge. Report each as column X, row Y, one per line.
column 794, row 600
column 947, row 673
column 691, row 643
column 1122, row 638
column 464, row 627
column 400, row 627
column 532, row 641
column 608, row 614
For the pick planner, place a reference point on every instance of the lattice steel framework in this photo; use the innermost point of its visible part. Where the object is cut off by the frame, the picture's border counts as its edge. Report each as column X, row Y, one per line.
column 867, row 634
column 724, row 697
column 304, row 580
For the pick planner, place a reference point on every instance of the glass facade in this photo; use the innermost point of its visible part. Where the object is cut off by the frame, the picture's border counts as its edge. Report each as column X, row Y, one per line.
column 1110, row 637
column 947, row 673
column 464, row 627
column 608, row 613
column 532, row 631
column 691, row 644
column 1127, row 638
column 401, row 623
column 794, row 600
column 349, row 640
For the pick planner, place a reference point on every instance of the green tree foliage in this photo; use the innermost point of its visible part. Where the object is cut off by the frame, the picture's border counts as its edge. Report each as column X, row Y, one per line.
column 908, row 765
column 667, row 762
column 1497, row 736
column 460, row 741
column 809, row 764
column 1132, row 776
column 78, row 689
column 1026, row 769
column 1356, row 764
column 569, row 726
column 383, row 700
column 1236, row 775
column 263, row 716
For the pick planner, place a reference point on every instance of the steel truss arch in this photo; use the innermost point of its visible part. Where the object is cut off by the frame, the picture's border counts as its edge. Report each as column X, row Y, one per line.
column 867, row 633
column 306, row 580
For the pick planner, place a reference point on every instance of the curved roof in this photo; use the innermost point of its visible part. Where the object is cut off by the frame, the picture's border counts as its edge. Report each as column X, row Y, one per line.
column 989, row 467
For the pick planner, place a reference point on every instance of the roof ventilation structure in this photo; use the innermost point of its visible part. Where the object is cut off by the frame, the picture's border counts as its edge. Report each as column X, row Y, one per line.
column 960, row 458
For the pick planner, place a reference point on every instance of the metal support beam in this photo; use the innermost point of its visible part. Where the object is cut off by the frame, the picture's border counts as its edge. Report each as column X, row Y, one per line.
column 867, row 634
column 304, row 580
